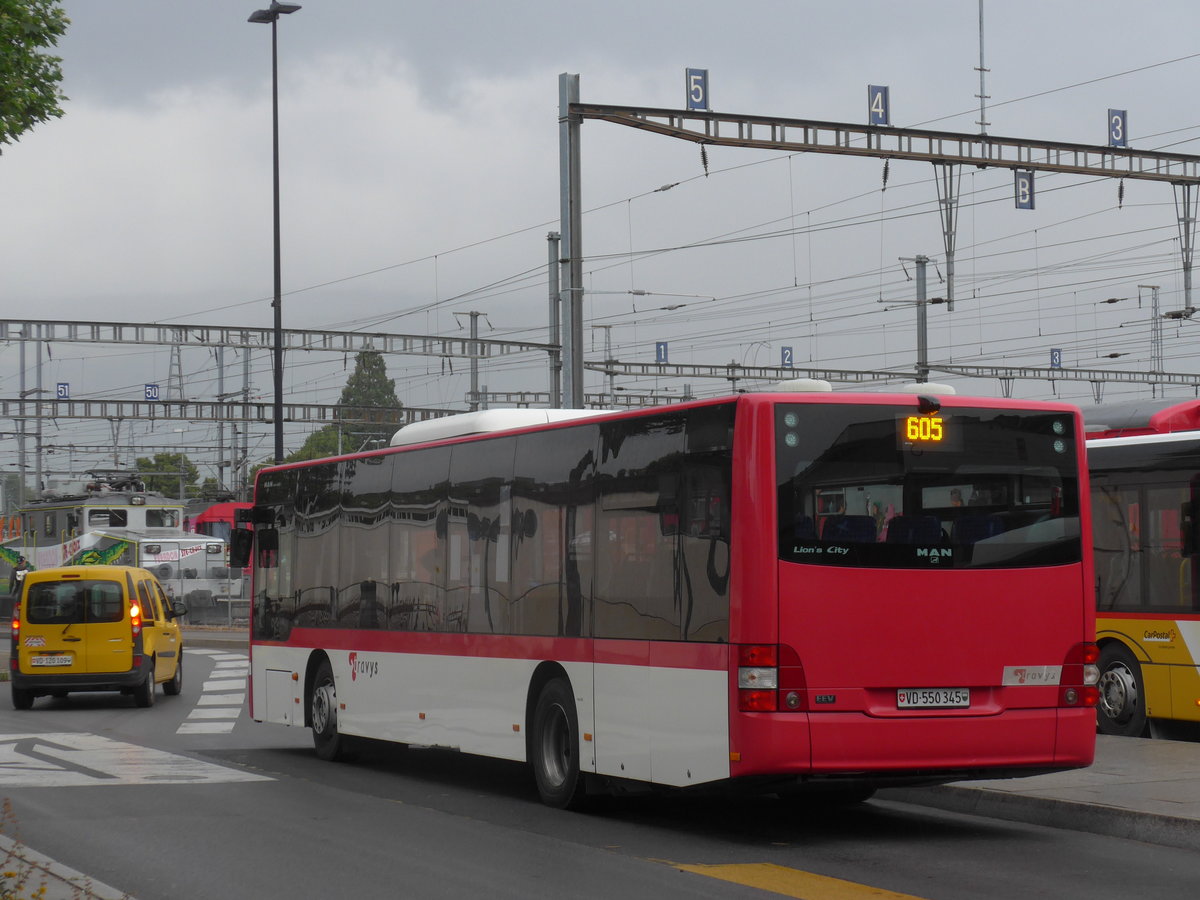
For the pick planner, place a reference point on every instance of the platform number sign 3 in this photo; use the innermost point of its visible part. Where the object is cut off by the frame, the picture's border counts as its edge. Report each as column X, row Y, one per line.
column 697, row 88
column 1118, row 128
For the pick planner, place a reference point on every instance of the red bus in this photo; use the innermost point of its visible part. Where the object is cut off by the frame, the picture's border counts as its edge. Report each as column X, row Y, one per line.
column 785, row 593
column 1144, row 459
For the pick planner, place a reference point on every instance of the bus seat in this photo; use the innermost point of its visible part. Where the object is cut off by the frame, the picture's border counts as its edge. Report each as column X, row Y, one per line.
column 804, row 529
column 851, row 529
column 914, row 530
column 972, row 529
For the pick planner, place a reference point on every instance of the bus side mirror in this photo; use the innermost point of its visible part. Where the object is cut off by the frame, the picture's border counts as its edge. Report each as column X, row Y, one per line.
column 241, row 548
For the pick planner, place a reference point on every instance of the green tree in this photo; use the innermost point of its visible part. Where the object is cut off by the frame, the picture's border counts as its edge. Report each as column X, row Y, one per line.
column 368, row 387
column 29, row 77
column 163, row 473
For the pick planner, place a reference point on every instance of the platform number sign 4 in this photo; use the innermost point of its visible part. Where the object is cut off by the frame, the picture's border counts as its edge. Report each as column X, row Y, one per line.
column 879, row 106
column 697, row 88
column 152, row 392
column 1118, row 128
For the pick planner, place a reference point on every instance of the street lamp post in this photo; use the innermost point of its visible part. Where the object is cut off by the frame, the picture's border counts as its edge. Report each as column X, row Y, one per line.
column 271, row 16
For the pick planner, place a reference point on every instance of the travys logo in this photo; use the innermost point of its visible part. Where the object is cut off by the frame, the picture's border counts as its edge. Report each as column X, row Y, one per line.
column 368, row 668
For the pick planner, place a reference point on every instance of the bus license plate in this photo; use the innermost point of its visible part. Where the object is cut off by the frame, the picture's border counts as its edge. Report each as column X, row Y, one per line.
column 933, row 698
column 50, row 660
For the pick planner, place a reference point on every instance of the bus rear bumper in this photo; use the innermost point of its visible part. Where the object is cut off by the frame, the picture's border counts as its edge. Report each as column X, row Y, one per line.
column 1012, row 743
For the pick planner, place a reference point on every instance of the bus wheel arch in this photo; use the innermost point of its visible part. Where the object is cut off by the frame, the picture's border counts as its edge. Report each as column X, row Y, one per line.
column 1122, row 706
column 321, row 711
column 553, row 739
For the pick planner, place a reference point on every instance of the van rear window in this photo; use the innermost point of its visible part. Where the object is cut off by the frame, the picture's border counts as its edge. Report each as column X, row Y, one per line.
column 74, row 602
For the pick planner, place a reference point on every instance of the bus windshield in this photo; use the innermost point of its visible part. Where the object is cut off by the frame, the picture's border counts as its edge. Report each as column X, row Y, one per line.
column 882, row 486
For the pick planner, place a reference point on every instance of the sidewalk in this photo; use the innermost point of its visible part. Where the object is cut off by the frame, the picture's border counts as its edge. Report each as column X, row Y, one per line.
column 1138, row 788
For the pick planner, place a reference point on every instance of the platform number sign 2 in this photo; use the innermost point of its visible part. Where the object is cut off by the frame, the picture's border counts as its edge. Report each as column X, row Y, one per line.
column 1118, row 128
column 697, row 88
column 879, row 107
column 786, row 358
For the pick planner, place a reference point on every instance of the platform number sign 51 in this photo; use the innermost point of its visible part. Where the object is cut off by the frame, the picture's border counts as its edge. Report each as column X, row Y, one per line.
column 1118, row 128
column 63, row 392
column 697, row 88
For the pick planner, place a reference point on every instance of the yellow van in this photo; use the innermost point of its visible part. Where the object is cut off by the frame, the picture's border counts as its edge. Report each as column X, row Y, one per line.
column 94, row 628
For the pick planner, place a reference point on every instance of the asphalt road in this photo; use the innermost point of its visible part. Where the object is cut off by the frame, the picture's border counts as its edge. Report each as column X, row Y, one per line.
column 140, row 802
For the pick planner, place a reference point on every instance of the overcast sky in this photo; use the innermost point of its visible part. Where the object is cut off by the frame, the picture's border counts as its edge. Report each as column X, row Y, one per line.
column 419, row 177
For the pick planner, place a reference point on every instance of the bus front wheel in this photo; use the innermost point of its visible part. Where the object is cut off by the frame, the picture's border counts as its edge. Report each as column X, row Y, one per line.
column 554, row 752
column 1122, row 706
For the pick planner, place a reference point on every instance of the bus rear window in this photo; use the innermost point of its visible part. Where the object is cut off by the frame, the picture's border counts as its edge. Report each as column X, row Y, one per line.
column 878, row 486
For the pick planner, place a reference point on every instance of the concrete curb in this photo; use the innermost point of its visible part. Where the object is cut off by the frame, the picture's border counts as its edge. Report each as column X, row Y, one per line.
column 1112, row 821
column 61, row 882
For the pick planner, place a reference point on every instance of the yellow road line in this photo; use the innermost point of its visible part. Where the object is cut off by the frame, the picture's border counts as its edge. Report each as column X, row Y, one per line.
column 792, row 882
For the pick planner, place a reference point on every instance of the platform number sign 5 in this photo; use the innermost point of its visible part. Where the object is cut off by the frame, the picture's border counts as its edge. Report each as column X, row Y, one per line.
column 1118, row 128
column 879, row 107
column 152, row 392
column 697, row 88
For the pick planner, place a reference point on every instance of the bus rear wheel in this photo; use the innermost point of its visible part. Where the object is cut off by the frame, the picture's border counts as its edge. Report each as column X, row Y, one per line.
column 330, row 744
column 1122, row 707
column 554, row 748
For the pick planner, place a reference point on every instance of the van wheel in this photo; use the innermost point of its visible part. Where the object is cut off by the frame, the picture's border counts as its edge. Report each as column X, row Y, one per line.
column 22, row 698
column 1122, row 706
column 322, row 713
column 554, row 751
column 143, row 694
column 173, row 687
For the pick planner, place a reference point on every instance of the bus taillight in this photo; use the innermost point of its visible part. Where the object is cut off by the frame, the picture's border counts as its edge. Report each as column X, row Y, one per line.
column 1080, row 676
column 758, row 677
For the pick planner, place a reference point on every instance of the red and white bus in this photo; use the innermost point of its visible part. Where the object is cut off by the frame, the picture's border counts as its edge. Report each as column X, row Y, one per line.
column 1144, row 459
column 215, row 519
column 781, row 592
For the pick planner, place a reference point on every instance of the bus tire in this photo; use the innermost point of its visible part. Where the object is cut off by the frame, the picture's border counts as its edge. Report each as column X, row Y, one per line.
column 143, row 694
column 1122, row 707
column 322, row 713
column 554, row 749
column 22, row 698
column 174, row 687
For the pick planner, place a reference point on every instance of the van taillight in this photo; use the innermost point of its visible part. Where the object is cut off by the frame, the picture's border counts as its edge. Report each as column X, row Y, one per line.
column 16, row 620
column 1080, row 676
column 135, row 618
column 758, row 677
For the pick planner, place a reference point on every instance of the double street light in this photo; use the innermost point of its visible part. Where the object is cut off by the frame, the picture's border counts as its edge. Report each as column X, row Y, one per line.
column 271, row 16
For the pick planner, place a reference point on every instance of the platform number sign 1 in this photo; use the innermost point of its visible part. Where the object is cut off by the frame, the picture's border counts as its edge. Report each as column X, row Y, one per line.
column 63, row 392
column 879, row 107
column 660, row 351
column 697, row 88
column 1118, row 128
column 1023, row 189
column 1055, row 358
column 786, row 358
column 152, row 392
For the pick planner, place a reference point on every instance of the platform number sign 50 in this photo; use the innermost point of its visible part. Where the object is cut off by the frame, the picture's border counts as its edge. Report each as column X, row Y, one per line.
column 152, row 392
column 1118, row 128
column 697, row 88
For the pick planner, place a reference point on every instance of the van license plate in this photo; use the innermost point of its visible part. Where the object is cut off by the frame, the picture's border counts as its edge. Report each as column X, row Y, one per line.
column 49, row 660
column 933, row 698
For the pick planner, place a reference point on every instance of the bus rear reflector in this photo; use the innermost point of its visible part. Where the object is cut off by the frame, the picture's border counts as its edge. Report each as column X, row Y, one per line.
column 1080, row 676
